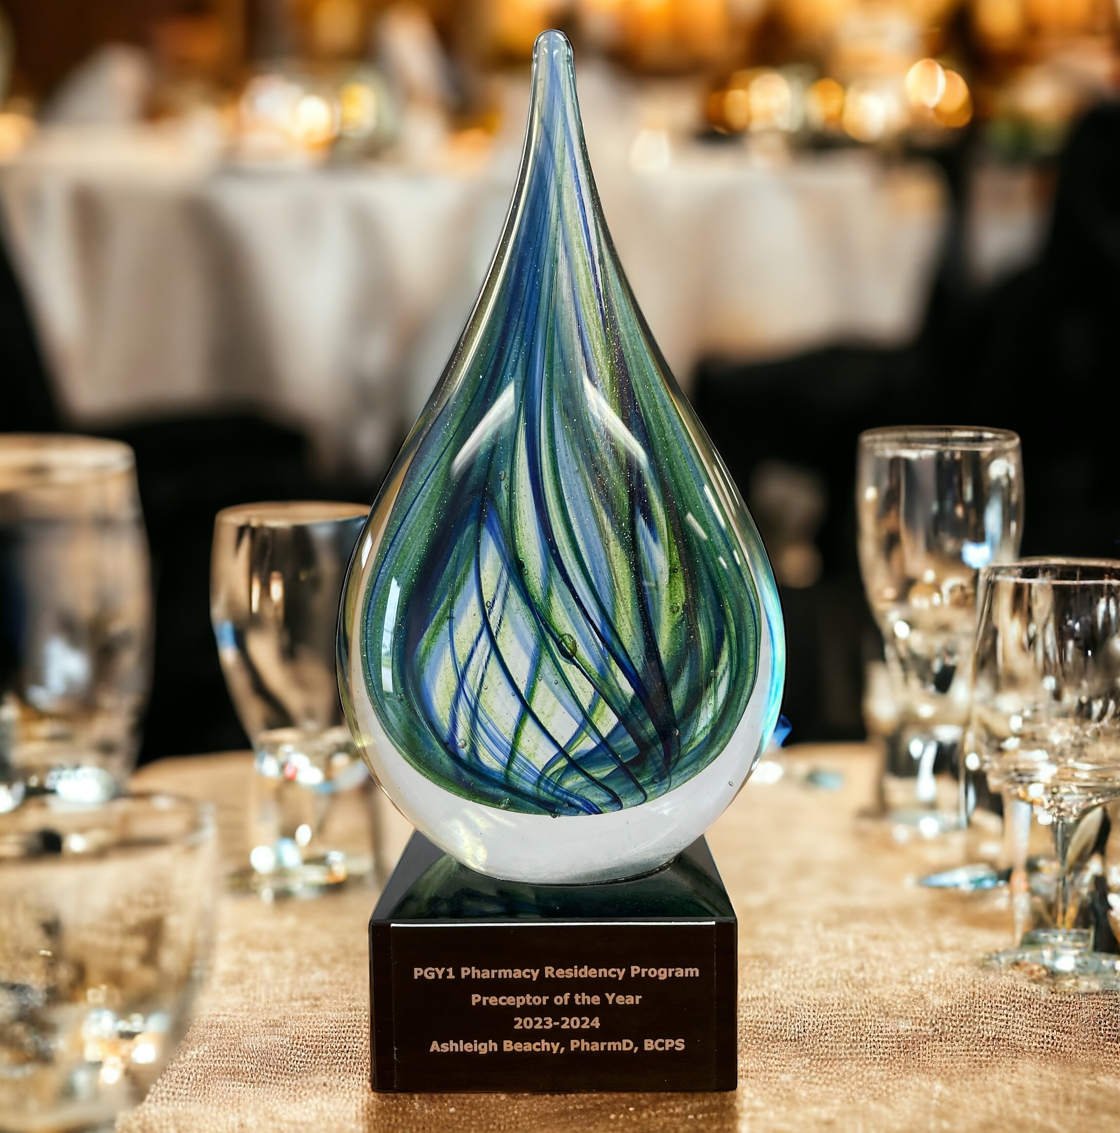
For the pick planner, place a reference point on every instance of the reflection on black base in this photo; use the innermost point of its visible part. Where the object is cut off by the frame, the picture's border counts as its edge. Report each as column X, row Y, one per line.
column 480, row 985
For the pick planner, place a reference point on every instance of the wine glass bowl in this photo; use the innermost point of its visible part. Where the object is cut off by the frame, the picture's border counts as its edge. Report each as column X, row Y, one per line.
column 1047, row 684
column 277, row 571
column 935, row 506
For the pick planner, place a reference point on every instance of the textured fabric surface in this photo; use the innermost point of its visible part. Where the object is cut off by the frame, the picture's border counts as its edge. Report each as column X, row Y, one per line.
column 861, row 1004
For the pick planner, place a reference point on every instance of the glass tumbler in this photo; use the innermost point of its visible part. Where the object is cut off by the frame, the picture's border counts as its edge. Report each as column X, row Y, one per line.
column 75, row 617
column 277, row 571
column 107, row 925
column 935, row 506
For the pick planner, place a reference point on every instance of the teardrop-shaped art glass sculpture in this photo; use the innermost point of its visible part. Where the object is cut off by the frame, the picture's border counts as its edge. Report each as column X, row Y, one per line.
column 561, row 648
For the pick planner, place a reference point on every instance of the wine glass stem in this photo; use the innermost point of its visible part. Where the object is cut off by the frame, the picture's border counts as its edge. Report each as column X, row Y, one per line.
column 966, row 787
column 1065, row 912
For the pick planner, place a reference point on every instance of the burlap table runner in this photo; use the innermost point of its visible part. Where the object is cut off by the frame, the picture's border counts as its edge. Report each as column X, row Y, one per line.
column 861, row 1006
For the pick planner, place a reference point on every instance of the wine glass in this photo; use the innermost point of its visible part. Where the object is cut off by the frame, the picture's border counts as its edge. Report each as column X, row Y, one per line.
column 277, row 571
column 75, row 617
column 1046, row 725
column 935, row 506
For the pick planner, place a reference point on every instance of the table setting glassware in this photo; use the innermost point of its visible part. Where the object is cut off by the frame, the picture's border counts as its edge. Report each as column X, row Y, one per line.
column 1046, row 726
column 277, row 571
column 75, row 616
column 1034, row 872
column 107, row 926
column 935, row 506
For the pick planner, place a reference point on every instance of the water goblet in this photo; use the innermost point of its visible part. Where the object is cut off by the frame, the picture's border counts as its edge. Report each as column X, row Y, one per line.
column 277, row 571
column 1046, row 726
column 75, row 617
column 935, row 506
column 107, row 926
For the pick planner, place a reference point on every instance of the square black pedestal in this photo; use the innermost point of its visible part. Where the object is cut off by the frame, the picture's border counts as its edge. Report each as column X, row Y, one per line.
column 484, row 985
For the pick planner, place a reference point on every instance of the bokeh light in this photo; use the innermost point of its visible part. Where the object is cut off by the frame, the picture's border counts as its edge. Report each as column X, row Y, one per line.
column 315, row 121
column 771, row 102
column 874, row 110
column 925, row 83
column 358, row 106
column 824, row 105
column 954, row 108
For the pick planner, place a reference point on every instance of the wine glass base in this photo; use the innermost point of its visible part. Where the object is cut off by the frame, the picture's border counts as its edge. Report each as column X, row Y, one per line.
column 1062, row 960
column 975, row 877
column 313, row 878
column 919, row 823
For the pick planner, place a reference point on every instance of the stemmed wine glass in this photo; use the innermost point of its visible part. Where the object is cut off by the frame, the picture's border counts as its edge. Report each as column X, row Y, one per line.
column 935, row 505
column 1046, row 725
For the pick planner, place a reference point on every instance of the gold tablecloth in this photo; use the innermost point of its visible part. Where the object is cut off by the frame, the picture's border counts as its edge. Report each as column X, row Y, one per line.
column 861, row 1004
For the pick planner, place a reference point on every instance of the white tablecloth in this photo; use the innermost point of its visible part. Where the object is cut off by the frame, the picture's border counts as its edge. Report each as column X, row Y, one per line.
column 163, row 281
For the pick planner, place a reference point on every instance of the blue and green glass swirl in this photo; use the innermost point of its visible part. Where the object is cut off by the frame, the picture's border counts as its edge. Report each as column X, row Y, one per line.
column 566, row 606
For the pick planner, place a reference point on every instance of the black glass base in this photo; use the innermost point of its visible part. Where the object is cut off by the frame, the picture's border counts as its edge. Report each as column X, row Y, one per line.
column 484, row 985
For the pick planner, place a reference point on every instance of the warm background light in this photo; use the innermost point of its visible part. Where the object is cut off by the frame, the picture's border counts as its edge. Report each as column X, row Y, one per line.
column 315, row 121
column 954, row 107
column 824, row 104
column 925, row 83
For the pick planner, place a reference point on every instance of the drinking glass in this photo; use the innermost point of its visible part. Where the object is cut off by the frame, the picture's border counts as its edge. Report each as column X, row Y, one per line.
column 277, row 571
column 1046, row 725
column 107, row 925
column 75, row 617
column 935, row 505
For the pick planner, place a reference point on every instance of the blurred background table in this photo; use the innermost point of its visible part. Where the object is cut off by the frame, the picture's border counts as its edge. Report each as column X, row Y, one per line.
column 248, row 233
column 861, row 1002
column 164, row 281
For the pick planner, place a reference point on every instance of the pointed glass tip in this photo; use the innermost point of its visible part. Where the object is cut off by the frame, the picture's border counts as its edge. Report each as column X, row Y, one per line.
column 552, row 47
column 554, row 73
column 553, row 87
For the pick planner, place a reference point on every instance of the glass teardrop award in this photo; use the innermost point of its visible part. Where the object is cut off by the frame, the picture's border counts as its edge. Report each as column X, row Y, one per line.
column 561, row 649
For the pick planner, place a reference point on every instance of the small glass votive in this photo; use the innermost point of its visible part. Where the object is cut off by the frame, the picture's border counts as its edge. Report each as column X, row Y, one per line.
column 277, row 571
column 107, row 925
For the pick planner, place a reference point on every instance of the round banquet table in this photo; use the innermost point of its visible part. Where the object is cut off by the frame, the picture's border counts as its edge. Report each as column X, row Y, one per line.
column 164, row 280
column 861, row 1006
